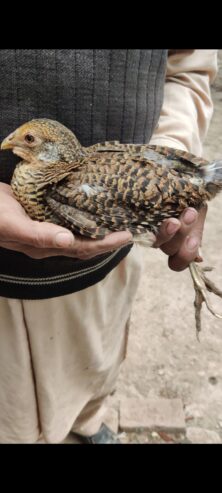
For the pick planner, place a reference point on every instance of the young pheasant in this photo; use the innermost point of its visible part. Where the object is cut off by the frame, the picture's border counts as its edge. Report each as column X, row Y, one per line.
column 109, row 186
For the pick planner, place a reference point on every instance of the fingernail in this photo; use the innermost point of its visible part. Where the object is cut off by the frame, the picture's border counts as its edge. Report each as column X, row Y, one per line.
column 189, row 216
column 192, row 243
column 172, row 227
column 64, row 240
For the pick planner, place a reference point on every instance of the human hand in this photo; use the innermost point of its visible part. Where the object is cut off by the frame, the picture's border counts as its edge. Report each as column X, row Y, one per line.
column 181, row 238
column 42, row 239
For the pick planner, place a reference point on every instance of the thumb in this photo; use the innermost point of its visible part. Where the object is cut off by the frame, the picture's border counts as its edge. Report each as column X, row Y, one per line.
column 44, row 235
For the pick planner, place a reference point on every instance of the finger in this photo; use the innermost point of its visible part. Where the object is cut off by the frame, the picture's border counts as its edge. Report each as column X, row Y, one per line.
column 114, row 240
column 167, row 230
column 34, row 233
column 84, row 248
column 185, row 255
column 80, row 247
column 36, row 253
column 39, row 253
column 199, row 226
column 6, row 189
column 188, row 220
column 12, row 245
column 189, row 250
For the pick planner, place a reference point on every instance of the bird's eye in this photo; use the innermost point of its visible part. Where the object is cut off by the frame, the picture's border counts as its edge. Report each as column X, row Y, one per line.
column 29, row 138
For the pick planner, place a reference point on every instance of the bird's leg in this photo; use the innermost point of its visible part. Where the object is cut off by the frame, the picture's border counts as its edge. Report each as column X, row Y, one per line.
column 201, row 285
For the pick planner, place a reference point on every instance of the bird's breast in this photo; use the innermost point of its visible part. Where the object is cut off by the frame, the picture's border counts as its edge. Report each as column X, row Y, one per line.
column 29, row 191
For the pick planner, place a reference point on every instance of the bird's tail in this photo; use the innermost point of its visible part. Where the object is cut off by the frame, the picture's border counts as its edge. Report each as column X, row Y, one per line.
column 212, row 175
column 212, row 171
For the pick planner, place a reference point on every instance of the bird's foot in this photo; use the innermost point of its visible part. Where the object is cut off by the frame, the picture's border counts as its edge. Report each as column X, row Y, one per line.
column 201, row 285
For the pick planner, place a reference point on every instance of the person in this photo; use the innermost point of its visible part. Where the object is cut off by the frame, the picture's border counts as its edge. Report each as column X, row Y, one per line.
column 66, row 301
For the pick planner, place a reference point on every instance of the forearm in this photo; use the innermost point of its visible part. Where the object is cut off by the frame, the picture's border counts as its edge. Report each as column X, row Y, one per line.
column 187, row 107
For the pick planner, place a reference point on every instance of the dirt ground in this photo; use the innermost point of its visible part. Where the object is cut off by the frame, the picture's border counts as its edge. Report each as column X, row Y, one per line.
column 164, row 357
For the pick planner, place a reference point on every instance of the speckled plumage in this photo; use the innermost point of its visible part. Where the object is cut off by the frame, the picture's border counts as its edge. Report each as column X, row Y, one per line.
column 105, row 187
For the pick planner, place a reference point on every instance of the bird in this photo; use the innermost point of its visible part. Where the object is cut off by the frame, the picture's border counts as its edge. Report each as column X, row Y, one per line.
column 110, row 186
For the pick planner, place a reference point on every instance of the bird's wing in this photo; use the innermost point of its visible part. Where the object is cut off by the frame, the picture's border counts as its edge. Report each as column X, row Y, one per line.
column 181, row 161
column 106, row 193
column 80, row 222
column 122, row 190
column 116, row 146
column 93, row 216
column 170, row 157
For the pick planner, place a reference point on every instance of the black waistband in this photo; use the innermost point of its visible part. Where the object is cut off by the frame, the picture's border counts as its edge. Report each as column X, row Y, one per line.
column 40, row 281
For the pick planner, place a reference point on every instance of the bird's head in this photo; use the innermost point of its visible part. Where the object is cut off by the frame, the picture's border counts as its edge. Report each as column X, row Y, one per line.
column 43, row 140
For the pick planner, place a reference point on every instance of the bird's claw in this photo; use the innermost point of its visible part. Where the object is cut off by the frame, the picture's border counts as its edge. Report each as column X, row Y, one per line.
column 201, row 285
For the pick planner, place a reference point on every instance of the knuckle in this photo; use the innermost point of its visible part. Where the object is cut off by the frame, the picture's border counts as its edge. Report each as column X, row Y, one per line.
column 38, row 238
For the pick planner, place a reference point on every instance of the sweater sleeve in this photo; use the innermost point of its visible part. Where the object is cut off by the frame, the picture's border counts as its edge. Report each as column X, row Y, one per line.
column 187, row 108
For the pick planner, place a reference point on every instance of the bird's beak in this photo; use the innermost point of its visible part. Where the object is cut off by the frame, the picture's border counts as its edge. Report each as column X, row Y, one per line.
column 8, row 143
